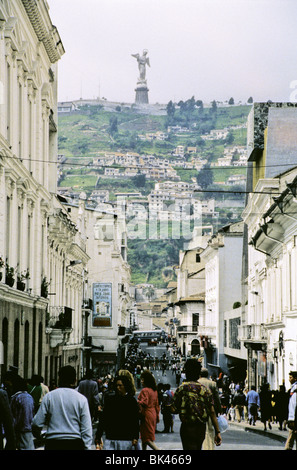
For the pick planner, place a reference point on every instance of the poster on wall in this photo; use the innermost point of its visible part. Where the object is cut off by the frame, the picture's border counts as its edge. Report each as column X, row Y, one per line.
column 102, row 304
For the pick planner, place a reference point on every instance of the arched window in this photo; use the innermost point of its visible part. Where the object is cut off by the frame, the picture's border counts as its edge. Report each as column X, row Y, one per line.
column 195, row 347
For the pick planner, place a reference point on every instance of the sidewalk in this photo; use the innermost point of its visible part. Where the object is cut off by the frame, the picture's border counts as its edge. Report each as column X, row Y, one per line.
column 258, row 428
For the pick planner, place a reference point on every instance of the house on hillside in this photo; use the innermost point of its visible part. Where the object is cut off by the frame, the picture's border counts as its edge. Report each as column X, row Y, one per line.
column 66, row 107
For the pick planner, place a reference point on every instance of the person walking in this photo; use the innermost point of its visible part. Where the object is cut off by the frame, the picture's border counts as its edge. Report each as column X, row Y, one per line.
column 265, row 405
column 292, row 412
column 149, row 410
column 209, row 441
column 35, row 390
column 66, row 414
column 239, row 401
column 177, row 377
column 44, row 388
column 253, row 402
column 282, row 406
column 6, row 423
column 167, row 399
column 194, row 404
column 120, row 418
column 22, row 409
column 89, row 388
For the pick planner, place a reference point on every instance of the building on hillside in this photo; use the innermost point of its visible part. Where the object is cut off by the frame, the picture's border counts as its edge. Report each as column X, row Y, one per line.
column 66, row 107
column 269, row 258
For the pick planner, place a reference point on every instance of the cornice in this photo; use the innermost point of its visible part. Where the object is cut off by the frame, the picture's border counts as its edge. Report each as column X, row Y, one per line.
column 45, row 31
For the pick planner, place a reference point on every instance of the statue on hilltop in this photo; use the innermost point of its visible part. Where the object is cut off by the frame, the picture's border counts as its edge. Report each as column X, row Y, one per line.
column 142, row 60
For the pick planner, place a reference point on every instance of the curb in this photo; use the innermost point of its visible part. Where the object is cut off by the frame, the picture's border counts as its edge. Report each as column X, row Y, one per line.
column 271, row 434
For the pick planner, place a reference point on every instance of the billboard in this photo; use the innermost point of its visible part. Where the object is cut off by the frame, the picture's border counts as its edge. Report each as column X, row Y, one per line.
column 102, row 308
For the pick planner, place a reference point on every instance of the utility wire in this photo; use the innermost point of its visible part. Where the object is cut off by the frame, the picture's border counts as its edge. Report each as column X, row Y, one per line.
column 87, row 166
column 96, row 167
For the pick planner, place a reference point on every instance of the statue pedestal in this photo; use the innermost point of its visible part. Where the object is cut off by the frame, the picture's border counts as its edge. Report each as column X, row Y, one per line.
column 141, row 96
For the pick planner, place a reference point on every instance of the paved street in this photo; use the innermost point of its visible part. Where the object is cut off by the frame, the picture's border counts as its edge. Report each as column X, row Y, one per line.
column 239, row 436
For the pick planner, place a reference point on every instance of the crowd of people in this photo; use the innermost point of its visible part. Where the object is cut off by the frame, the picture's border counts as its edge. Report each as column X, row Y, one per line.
column 121, row 411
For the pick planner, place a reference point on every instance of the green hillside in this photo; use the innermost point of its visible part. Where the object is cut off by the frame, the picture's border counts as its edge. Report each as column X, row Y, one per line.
column 92, row 131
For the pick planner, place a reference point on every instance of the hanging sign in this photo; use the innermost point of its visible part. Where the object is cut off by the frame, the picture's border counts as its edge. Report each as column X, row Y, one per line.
column 102, row 293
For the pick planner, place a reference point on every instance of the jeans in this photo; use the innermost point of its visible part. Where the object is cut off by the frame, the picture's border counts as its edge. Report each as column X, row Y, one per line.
column 25, row 441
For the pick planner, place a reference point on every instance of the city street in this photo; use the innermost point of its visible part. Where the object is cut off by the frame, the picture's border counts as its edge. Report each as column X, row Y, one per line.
column 237, row 437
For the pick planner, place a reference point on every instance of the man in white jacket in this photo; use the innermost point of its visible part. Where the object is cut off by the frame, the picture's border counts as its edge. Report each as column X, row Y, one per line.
column 292, row 412
column 65, row 414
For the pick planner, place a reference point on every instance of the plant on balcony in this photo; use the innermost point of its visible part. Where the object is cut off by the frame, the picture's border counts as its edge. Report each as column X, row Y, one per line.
column 21, row 280
column 44, row 287
column 236, row 305
column 9, row 276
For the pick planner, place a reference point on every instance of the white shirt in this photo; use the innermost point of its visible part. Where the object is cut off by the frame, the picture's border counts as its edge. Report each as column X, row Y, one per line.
column 292, row 403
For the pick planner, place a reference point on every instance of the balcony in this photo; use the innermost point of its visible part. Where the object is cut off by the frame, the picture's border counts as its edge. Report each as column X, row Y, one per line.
column 59, row 325
column 209, row 331
column 187, row 329
column 254, row 335
column 60, row 318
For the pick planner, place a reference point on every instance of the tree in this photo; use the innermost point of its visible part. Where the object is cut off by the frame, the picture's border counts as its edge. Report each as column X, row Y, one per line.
column 214, row 106
column 230, row 138
column 139, row 180
column 205, row 177
column 170, row 108
column 113, row 125
column 231, row 101
column 250, row 100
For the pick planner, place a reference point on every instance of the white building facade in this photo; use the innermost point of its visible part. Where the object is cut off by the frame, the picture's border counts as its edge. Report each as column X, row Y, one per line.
column 222, row 260
column 41, row 286
column 270, row 330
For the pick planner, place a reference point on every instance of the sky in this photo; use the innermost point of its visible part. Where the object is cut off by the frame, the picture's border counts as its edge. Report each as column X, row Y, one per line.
column 209, row 49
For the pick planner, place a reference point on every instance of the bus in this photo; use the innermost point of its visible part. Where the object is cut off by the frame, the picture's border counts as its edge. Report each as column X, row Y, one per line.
column 149, row 336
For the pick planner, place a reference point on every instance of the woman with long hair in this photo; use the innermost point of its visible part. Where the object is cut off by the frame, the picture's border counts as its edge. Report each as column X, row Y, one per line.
column 120, row 417
column 149, row 410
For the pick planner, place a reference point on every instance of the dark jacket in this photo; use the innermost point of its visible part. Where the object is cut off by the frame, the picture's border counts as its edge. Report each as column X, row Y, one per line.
column 119, row 419
column 89, row 388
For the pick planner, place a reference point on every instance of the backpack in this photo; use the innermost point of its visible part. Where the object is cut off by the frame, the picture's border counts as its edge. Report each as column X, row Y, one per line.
column 166, row 402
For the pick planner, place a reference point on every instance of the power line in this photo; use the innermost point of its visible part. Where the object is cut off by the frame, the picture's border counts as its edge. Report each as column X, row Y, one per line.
column 117, row 166
column 151, row 168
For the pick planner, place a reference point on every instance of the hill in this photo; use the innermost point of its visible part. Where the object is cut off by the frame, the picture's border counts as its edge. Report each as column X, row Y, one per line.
column 205, row 136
